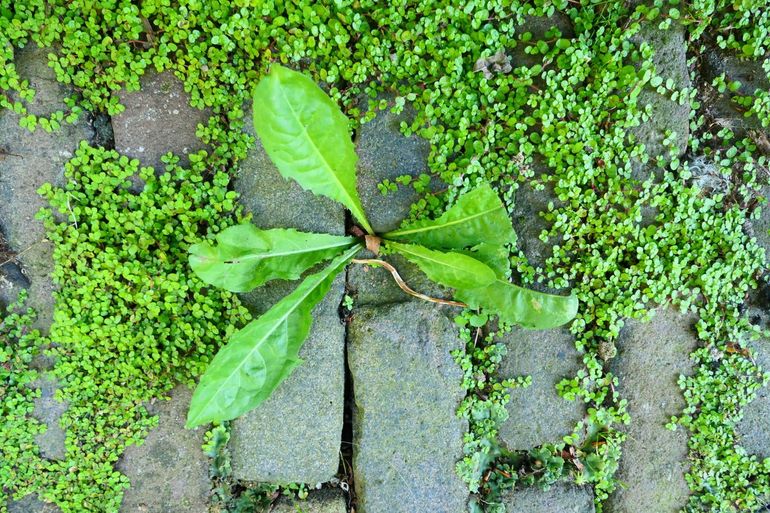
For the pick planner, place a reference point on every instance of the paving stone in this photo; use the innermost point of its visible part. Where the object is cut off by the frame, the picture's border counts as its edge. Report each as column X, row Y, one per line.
column 529, row 203
column 749, row 73
column 169, row 473
column 158, row 119
column 760, row 227
column 385, row 153
column 12, row 282
column 294, row 436
column 539, row 26
column 537, row 414
column 406, row 385
column 376, row 286
column 560, row 498
column 651, row 356
column 31, row 504
column 33, row 159
column 48, row 411
column 754, row 428
column 322, row 501
column 276, row 202
column 671, row 62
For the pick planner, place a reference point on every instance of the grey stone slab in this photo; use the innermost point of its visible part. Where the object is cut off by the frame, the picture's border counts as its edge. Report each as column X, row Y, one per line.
column 651, row 357
column 760, row 227
column 720, row 107
column 294, row 436
column 275, row 202
column 406, row 434
column 539, row 27
column 537, row 414
column 322, row 501
column 754, row 429
column 670, row 60
column 12, row 282
column 169, row 473
column 48, row 411
column 157, row 119
column 31, row 504
column 529, row 204
column 33, row 159
column 385, row 153
column 375, row 285
column 560, row 498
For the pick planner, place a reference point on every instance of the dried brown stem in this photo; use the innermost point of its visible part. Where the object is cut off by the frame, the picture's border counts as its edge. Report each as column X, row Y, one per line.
column 402, row 284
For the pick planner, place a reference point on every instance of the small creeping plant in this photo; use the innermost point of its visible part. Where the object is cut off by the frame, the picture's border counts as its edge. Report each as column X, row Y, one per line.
column 307, row 137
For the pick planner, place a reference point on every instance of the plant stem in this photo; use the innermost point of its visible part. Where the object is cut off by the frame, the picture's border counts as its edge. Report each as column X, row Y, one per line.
column 402, row 284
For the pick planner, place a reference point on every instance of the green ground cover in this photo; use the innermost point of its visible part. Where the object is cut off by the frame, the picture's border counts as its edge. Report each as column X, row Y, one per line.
column 563, row 120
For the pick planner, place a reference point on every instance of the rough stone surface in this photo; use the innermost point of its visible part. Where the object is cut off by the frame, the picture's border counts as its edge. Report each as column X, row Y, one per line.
column 560, row 498
column 539, row 26
column 48, row 411
column 158, row 119
column 12, row 281
column 719, row 106
column 31, row 504
column 671, row 62
column 651, row 356
column 528, row 223
column 537, row 414
column 322, row 501
column 169, row 473
column 375, row 285
column 294, row 436
column 279, row 203
column 760, row 227
column 385, row 153
column 406, row 434
column 754, row 428
column 33, row 159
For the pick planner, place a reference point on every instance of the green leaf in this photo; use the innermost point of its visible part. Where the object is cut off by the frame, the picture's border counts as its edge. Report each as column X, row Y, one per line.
column 307, row 137
column 478, row 216
column 496, row 257
column 520, row 306
column 454, row 270
column 262, row 354
column 245, row 257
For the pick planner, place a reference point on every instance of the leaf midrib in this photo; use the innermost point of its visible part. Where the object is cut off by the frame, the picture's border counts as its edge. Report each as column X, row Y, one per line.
column 356, row 211
column 263, row 256
column 402, row 232
column 276, row 325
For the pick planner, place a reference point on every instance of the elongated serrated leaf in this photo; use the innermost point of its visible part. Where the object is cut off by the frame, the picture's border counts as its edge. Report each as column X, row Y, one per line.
column 454, row 270
column 520, row 306
column 478, row 216
column 245, row 257
column 261, row 355
column 307, row 137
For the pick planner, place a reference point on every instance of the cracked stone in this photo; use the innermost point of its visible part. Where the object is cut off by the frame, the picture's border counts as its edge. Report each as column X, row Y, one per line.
column 294, row 436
